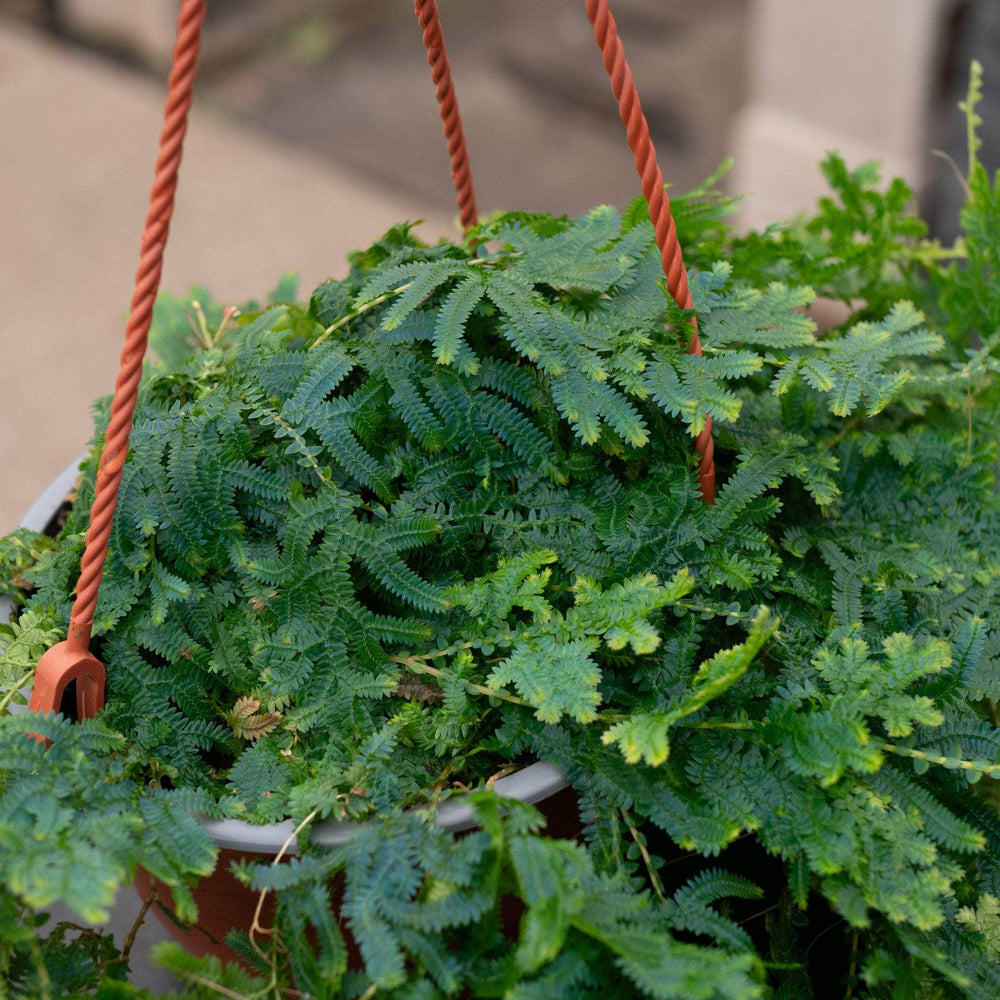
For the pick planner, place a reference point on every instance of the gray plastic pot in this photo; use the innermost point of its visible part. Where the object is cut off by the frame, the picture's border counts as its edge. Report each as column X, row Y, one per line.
column 37, row 518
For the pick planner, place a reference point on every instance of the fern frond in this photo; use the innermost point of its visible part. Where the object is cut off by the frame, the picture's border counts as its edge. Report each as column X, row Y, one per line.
column 692, row 903
column 939, row 822
column 450, row 345
column 383, row 563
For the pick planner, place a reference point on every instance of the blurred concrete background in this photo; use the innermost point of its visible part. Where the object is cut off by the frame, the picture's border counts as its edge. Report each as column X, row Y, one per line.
column 315, row 128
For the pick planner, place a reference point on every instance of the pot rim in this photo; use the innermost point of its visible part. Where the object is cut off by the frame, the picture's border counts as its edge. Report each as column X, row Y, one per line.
column 41, row 512
column 530, row 784
column 37, row 518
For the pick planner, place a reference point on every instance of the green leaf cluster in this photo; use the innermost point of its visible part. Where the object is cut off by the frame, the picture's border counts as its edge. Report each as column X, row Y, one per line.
column 443, row 519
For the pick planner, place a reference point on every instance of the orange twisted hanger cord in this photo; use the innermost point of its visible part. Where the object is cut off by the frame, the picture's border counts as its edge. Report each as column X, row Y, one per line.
column 437, row 57
column 71, row 660
column 622, row 86
column 147, row 283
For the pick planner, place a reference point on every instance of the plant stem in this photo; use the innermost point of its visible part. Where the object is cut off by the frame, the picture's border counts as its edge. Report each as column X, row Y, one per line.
column 952, row 763
column 223, row 991
column 414, row 664
column 9, row 697
column 201, row 326
column 44, row 981
column 647, row 860
column 718, row 724
column 136, row 924
column 853, row 968
column 229, row 313
column 255, row 927
column 357, row 311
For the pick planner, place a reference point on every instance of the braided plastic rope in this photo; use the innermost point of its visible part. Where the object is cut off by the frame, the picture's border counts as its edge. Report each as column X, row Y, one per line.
column 147, row 282
column 623, row 88
column 437, row 57
column 637, row 130
column 71, row 660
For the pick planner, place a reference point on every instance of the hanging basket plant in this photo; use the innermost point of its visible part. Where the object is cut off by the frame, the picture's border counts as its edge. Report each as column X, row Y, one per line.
column 373, row 550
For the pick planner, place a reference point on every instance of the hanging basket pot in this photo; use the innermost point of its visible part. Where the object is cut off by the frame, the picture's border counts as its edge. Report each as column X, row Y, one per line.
column 446, row 520
column 71, row 666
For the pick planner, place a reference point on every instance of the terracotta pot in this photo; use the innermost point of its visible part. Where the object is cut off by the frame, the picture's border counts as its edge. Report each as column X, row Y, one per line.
column 225, row 904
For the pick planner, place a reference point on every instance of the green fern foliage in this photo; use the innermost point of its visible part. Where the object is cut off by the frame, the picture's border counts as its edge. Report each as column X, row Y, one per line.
column 375, row 549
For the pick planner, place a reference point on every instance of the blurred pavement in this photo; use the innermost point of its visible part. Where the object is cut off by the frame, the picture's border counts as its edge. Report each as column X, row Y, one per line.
column 302, row 147
column 542, row 126
column 78, row 139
